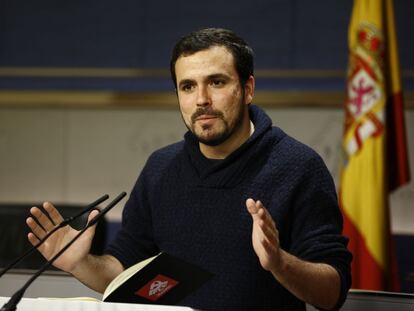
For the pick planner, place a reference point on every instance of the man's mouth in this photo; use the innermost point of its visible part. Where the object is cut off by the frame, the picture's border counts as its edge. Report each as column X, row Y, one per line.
column 205, row 117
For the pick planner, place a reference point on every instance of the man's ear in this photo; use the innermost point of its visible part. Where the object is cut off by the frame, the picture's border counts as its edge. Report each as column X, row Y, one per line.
column 249, row 90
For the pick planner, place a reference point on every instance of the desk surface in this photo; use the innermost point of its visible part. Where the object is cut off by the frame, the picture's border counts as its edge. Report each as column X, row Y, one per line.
column 41, row 304
column 49, row 284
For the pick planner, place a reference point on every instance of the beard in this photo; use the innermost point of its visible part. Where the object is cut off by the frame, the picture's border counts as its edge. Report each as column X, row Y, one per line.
column 208, row 135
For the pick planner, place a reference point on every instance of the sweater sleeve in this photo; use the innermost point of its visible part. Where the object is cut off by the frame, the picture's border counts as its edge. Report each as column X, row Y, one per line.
column 134, row 242
column 317, row 223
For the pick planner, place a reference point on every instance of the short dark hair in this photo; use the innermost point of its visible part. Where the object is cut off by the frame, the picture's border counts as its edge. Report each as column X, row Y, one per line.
column 204, row 39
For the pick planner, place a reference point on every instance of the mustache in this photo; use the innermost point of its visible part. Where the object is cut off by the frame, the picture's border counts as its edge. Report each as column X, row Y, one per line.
column 206, row 111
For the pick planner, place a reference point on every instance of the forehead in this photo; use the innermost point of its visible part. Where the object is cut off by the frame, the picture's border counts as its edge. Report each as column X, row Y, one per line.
column 216, row 59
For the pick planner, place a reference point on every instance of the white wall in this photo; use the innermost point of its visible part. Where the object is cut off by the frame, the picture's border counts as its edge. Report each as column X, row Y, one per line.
column 75, row 155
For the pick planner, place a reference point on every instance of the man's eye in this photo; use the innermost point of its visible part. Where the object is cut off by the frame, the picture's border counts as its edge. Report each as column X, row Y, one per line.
column 187, row 87
column 217, row 82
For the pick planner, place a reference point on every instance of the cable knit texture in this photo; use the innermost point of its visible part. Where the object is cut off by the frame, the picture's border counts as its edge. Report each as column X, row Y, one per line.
column 193, row 208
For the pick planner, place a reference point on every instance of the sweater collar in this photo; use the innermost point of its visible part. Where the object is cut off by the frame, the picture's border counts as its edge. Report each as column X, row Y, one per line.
column 229, row 171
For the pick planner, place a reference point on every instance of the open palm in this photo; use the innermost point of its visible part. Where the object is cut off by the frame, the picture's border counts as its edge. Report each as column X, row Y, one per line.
column 44, row 224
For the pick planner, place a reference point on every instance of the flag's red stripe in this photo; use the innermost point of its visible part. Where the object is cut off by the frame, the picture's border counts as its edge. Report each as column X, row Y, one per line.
column 366, row 272
column 399, row 172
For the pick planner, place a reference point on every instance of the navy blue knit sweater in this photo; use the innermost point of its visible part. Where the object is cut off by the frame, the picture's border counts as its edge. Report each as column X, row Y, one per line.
column 193, row 208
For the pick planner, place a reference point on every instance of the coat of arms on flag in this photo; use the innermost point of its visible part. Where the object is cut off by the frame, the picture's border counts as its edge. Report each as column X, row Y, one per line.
column 366, row 99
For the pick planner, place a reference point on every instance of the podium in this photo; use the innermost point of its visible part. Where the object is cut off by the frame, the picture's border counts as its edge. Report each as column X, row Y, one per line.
column 83, row 304
column 365, row 300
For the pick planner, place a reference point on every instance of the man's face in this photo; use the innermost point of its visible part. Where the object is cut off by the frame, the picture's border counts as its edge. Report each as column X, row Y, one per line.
column 212, row 101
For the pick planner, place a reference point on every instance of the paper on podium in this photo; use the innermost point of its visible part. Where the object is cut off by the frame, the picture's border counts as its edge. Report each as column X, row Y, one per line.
column 41, row 304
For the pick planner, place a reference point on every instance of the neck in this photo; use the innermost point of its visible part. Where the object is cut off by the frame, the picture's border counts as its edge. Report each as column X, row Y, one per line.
column 231, row 144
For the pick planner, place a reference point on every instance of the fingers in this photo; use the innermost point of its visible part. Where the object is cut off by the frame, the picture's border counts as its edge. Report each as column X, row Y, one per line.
column 33, row 239
column 265, row 228
column 36, row 229
column 259, row 212
column 263, row 212
column 42, row 219
column 268, row 233
column 265, row 236
column 42, row 222
column 54, row 215
column 252, row 208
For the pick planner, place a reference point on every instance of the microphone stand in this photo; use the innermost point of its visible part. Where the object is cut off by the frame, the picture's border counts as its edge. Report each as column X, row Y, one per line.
column 61, row 225
column 17, row 296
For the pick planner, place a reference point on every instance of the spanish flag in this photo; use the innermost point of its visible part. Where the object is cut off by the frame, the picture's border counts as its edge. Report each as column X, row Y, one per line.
column 374, row 144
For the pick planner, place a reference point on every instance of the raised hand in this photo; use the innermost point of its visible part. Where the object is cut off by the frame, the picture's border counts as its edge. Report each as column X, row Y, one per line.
column 265, row 236
column 75, row 254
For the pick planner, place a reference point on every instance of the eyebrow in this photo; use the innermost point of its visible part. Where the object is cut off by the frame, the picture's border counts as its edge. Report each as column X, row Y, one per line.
column 208, row 78
column 217, row 76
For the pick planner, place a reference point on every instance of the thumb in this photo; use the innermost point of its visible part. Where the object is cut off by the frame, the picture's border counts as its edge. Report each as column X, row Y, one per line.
column 91, row 216
column 252, row 208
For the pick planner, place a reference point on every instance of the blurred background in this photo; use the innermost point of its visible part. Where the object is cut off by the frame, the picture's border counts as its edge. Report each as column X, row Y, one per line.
column 86, row 96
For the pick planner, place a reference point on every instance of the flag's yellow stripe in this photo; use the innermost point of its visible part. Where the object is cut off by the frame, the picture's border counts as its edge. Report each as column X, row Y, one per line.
column 363, row 196
column 362, row 180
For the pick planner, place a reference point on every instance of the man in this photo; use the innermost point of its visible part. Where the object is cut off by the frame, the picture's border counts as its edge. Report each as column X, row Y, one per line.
column 237, row 197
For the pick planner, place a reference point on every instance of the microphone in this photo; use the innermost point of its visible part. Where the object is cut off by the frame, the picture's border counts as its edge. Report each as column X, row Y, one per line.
column 64, row 223
column 17, row 296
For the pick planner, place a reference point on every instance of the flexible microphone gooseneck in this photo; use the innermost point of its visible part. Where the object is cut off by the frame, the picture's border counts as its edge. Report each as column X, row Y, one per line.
column 17, row 296
column 64, row 223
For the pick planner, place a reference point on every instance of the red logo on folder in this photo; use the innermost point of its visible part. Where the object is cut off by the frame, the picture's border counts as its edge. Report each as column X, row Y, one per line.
column 157, row 287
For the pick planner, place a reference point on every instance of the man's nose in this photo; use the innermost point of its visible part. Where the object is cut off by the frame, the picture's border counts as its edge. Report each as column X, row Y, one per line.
column 203, row 96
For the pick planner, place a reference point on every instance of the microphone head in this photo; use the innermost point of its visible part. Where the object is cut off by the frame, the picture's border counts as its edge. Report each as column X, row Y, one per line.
column 81, row 221
column 107, row 209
